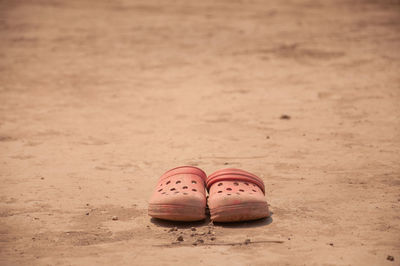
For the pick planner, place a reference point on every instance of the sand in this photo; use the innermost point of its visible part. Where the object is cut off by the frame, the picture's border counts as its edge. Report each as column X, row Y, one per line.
column 99, row 98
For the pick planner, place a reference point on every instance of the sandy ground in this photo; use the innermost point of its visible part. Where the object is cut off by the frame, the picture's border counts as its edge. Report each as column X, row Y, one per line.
column 99, row 98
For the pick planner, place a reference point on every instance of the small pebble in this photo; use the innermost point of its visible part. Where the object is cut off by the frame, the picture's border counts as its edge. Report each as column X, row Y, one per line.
column 180, row 238
column 193, row 229
column 114, row 218
column 331, row 244
column 391, row 258
column 198, row 241
column 212, row 238
column 87, row 213
column 173, row 229
column 287, row 117
column 247, row 241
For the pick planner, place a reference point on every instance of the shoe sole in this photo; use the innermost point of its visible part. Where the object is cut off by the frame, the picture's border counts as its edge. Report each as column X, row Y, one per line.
column 177, row 212
column 240, row 212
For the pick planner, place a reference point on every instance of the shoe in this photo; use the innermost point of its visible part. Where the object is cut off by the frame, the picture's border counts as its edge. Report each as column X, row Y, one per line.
column 180, row 195
column 236, row 195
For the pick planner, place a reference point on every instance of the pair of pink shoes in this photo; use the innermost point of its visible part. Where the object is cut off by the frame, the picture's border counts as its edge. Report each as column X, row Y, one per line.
column 234, row 195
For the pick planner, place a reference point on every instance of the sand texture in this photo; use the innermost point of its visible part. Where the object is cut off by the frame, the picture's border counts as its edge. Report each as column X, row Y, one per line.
column 98, row 98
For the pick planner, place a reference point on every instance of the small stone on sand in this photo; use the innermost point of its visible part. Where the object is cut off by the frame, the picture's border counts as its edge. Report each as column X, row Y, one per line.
column 173, row 229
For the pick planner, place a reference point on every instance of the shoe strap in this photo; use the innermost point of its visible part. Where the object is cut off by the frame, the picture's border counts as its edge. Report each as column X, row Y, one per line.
column 184, row 170
column 232, row 174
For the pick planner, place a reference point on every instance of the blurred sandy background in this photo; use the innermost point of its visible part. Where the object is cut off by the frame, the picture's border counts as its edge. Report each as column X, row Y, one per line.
column 99, row 98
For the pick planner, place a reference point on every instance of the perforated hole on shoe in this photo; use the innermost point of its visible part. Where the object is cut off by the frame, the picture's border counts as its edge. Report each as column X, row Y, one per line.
column 246, row 183
column 228, row 194
column 228, row 189
column 160, row 190
column 172, row 189
column 193, row 189
column 184, row 187
column 254, row 190
column 178, row 182
column 219, row 191
column 241, row 190
column 194, row 182
column 220, row 184
column 184, row 193
column 168, row 182
column 236, row 183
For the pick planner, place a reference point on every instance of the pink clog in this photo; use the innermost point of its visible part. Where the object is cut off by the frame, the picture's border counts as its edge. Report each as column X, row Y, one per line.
column 236, row 195
column 180, row 195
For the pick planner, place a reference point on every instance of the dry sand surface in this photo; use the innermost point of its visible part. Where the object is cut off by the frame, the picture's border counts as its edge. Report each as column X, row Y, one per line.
column 99, row 98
